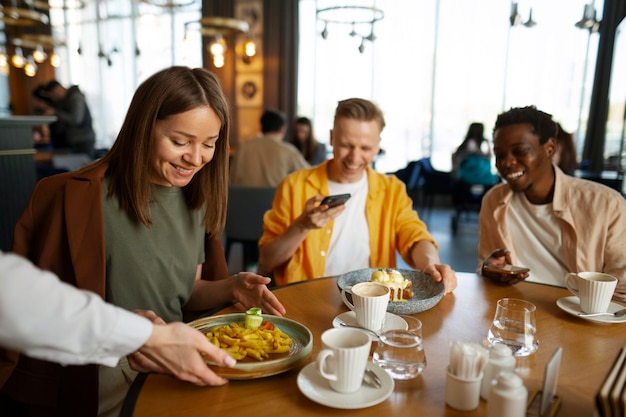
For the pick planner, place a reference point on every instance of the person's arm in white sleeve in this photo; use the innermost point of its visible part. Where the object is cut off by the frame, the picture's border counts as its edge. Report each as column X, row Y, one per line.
column 45, row 318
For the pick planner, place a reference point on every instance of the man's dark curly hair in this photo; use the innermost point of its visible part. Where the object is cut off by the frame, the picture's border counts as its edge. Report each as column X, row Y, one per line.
column 542, row 123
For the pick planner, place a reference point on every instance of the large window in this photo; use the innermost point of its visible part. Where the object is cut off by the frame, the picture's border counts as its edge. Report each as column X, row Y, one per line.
column 438, row 65
column 114, row 46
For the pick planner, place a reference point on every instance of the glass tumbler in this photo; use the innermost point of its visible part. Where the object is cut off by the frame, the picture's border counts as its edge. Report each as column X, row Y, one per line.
column 515, row 325
column 400, row 352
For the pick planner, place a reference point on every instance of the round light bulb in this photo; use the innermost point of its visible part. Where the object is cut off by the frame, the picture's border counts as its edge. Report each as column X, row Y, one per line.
column 218, row 47
column 18, row 59
column 55, row 60
column 39, row 55
column 249, row 48
column 30, row 68
column 218, row 61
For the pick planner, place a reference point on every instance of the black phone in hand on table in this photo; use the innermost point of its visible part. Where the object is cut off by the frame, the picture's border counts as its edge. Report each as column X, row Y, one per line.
column 335, row 200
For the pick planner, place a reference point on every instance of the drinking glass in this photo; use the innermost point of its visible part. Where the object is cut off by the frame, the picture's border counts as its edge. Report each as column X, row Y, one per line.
column 514, row 325
column 401, row 352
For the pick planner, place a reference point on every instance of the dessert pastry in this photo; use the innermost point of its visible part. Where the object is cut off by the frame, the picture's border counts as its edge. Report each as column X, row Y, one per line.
column 400, row 288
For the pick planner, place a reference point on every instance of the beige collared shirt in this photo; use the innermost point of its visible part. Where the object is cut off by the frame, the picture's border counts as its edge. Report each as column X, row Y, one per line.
column 592, row 222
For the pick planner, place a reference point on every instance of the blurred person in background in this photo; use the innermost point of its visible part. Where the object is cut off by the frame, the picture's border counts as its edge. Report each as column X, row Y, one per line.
column 266, row 160
column 302, row 137
column 565, row 155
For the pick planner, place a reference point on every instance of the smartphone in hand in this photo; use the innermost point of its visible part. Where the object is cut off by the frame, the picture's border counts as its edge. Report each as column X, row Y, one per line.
column 506, row 270
column 335, row 200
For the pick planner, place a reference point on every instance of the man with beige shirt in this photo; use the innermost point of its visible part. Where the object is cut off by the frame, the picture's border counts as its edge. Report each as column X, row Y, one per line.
column 265, row 161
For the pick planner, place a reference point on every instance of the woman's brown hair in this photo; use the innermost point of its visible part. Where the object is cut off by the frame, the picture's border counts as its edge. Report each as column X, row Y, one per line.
column 169, row 92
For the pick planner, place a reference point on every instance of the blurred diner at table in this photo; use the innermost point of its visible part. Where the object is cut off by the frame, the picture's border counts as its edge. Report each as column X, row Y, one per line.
column 543, row 219
column 136, row 227
column 302, row 137
column 266, row 160
column 303, row 239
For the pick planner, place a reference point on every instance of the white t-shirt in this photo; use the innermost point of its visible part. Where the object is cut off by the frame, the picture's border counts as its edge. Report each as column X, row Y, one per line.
column 537, row 242
column 350, row 242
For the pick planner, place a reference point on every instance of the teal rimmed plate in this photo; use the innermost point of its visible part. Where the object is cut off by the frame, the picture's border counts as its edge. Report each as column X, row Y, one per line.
column 249, row 368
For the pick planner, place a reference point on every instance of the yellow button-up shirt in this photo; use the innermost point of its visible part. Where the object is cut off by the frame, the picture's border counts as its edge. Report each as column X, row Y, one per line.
column 393, row 224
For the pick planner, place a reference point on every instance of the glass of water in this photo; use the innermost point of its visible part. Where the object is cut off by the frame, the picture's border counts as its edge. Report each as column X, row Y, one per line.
column 515, row 325
column 401, row 352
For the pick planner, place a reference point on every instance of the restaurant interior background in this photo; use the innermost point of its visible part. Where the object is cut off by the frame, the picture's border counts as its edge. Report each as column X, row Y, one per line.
column 434, row 66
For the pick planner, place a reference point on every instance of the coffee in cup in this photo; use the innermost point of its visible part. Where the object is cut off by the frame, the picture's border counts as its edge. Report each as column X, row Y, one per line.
column 369, row 303
column 343, row 358
column 594, row 289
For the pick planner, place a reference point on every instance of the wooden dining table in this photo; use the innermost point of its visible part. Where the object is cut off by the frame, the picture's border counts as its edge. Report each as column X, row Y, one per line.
column 589, row 349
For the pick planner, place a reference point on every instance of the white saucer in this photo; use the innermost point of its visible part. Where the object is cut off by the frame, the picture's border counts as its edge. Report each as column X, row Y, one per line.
column 392, row 322
column 316, row 388
column 571, row 305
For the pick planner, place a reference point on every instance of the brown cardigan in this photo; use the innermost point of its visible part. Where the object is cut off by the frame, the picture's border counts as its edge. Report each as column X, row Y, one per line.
column 61, row 230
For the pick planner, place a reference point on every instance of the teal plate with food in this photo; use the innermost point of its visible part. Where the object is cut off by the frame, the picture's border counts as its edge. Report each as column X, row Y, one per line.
column 423, row 293
column 275, row 363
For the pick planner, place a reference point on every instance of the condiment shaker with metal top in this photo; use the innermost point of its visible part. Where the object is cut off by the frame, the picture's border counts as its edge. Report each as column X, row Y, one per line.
column 507, row 397
column 500, row 359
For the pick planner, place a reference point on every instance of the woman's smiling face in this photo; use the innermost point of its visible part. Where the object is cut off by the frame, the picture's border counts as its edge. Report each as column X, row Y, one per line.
column 183, row 144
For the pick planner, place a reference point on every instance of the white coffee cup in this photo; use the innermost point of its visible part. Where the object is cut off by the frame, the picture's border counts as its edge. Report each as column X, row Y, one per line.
column 343, row 358
column 369, row 303
column 595, row 290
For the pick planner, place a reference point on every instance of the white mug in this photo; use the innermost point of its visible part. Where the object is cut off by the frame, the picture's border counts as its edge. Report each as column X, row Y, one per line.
column 595, row 290
column 369, row 303
column 343, row 359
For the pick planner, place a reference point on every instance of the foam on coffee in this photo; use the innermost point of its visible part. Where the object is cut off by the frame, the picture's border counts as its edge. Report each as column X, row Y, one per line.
column 370, row 289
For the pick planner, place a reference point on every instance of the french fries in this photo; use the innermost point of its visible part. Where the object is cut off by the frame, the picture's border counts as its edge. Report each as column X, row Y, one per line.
column 240, row 342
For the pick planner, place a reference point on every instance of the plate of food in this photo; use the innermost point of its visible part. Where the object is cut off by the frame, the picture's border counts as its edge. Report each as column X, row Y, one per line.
column 277, row 345
column 411, row 291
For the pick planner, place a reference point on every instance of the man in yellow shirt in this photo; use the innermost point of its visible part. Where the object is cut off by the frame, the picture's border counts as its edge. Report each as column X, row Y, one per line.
column 303, row 239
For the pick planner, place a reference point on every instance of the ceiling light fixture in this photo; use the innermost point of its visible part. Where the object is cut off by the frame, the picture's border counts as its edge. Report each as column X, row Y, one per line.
column 355, row 16
column 589, row 20
column 19, row 16
column 218, row 28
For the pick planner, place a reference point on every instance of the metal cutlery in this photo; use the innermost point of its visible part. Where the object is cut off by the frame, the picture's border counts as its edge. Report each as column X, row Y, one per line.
column 344, row 324
column 618, row 313
column 372, row 379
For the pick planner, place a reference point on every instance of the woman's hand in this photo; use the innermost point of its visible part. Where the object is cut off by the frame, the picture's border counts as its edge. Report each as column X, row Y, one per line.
column 251, row 291
column 499, row 259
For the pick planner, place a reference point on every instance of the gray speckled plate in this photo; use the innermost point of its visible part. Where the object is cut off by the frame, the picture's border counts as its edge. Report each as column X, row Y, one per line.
column 426, row 292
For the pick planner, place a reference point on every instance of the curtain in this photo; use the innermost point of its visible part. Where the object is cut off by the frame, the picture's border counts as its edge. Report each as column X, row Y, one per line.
column 280, row 43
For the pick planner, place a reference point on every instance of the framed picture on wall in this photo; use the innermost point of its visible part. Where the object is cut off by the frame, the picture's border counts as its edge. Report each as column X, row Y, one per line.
column 249, row 90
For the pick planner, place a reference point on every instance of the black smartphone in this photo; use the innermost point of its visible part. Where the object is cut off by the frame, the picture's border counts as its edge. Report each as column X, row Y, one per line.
column 335, row 200
column 506, row 270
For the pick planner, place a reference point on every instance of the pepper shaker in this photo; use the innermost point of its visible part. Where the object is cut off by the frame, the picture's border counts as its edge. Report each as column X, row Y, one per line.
column 500, row 359
column 507, row 397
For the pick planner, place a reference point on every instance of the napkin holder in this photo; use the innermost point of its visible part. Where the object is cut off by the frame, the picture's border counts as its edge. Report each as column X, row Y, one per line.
column 545, row 402
column 611, row 397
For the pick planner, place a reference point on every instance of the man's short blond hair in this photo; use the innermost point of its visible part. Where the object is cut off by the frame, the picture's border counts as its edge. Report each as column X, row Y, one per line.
column 359, row 109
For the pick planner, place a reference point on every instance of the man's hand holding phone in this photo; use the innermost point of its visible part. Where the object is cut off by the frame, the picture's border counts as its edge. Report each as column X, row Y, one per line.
column 498, row 268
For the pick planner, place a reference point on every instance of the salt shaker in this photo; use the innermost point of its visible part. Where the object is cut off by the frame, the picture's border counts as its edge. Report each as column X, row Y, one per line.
column 500, row 359
column 508, row 396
